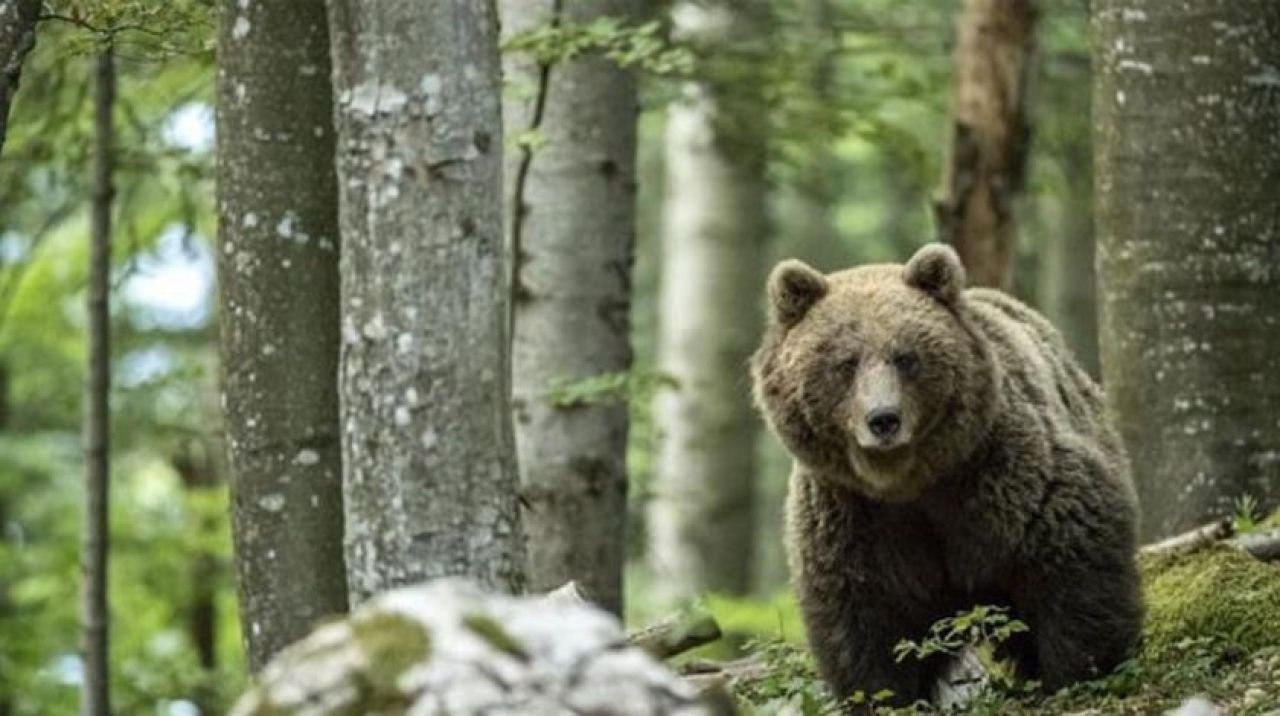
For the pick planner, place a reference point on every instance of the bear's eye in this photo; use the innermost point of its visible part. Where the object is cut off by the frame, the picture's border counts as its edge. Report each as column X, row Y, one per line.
column 906, row 362
column 848, row 365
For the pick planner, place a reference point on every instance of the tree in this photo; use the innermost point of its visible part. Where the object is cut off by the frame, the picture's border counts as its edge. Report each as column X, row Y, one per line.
column 95, row 699
column 18, row 20
column 809, row 205
column 571, row 228
column 990, row 137
column 702, row 514
column 1188, row 163
column 278, row 261
column 428, row 457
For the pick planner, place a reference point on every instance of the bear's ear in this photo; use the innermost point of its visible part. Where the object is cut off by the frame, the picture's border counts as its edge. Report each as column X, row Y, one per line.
column 793, row 289
column 936, row 270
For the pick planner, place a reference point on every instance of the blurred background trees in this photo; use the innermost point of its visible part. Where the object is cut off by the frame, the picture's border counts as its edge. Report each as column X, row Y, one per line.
column 819, row 129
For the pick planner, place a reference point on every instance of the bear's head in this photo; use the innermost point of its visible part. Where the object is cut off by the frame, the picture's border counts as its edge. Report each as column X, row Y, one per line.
column 873, row 377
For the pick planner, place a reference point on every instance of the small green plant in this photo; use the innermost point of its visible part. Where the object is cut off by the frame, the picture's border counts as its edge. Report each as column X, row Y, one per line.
column 982, row 626
column 1247, row 514
column 791, row 684
column 982, row 629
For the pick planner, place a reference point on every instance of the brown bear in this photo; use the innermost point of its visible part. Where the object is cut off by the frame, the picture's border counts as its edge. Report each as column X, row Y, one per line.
column 948, row 452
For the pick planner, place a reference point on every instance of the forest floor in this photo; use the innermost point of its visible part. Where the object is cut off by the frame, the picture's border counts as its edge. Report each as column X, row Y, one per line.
column 1212, row 630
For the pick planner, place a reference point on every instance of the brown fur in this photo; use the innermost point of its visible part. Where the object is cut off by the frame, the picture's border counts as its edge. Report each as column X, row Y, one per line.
column 1005, row 484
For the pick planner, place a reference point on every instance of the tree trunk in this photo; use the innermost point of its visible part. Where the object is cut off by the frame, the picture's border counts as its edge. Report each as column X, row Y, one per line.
column 990, row 137
column 702, row 514
column 95, row 699
column 199, row 473
column 1186, row 100
column 18, row 20
column 429, row 463
column 571, row 228
column 278, row 264
column 1068, row 281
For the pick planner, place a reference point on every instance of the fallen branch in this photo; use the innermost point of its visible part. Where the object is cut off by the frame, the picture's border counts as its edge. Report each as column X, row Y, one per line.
column 677, row 634
column 671, row 636
column 1191, row 541
column 1262, row 545
column 708, row 675
column 567, row 593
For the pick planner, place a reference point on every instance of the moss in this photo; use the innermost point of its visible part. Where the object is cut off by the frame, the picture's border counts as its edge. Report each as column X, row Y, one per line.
column 1212, row 629
column 1271, row 521
column 393, row 644
column 492, row 633
column 1215, row 593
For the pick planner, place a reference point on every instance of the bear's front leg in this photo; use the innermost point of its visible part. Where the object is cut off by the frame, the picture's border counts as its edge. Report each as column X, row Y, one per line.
column 1079, row 590
column 1084, row 621
column 866, row 578
column 852, row 633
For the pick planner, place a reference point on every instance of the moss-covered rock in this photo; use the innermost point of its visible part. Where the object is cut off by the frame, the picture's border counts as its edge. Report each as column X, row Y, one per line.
column 449, row 648
column 1218, row 593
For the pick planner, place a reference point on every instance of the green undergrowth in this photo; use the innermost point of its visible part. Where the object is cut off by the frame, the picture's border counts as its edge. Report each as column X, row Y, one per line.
column 1212, row 629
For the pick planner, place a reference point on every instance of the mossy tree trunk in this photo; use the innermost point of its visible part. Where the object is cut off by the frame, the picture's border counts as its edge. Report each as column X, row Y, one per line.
column 570, row 193
column 430, row 482
column 702, row 513
column 1187, row 149
column 278, row 271
column 990, row 137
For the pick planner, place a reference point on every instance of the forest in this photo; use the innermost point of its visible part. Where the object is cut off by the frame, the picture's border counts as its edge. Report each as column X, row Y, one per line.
column 388, row 357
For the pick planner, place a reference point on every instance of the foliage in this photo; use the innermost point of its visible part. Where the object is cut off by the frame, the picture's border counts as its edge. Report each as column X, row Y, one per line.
column 139, row 29
column 642, row 46
column 983, row 629
column 1247, row 514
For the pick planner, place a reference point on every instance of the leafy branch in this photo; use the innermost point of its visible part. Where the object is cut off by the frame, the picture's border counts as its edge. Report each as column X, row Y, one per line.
column 641, row 46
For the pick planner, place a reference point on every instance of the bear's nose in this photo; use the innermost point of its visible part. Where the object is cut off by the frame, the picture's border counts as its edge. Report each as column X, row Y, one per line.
column 884, row 422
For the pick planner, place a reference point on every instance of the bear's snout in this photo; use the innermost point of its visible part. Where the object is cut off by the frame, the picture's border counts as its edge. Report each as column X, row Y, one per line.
column 884, row 423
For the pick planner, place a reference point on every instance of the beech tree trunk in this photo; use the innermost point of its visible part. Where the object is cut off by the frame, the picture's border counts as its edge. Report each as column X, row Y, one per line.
column 571, row 229
column 1187, row 149
column 95, row 697
column 990, row 137
column 702, row 513
column 278, row 270
column 18, row 20
column 429, row 463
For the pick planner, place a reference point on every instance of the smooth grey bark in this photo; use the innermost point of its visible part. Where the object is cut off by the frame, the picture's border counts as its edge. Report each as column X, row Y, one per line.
column 278, row 271
column 1187, row 148
column 702, row 512
column 430, row 481
column 18, row 20
column 1068, row 281
column 571, row 229
column 95, row 696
